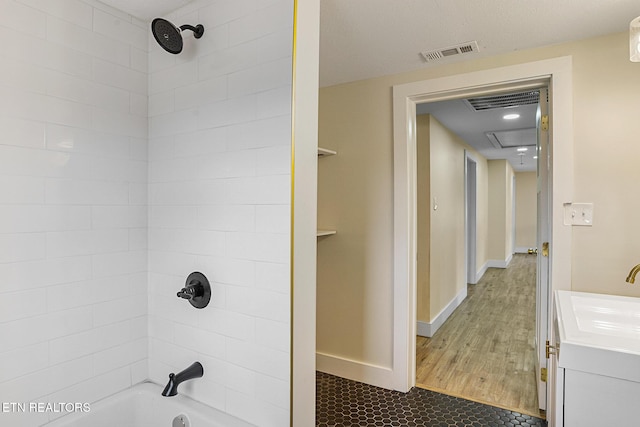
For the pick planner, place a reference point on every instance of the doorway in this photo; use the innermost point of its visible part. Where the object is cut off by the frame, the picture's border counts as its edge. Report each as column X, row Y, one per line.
column 483, row 348
column 556, row 73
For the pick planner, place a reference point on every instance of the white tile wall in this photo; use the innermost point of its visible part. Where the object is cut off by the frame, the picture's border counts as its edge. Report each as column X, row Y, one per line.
column 123, row 169
column 219, row 196
column 73, row 215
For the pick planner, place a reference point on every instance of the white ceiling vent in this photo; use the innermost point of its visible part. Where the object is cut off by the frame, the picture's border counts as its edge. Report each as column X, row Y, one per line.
column 513, row 138
column 467, row 47
column 508, row 100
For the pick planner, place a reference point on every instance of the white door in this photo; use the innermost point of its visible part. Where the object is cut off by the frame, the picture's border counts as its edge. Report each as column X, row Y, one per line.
column 543, row 238
column 555, row 393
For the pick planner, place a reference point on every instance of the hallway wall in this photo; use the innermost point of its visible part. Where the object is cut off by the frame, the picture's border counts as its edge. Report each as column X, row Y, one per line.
column 441, row 282
column 447, row 239
column 500, row 213
column 423, row 220
column 526, row 210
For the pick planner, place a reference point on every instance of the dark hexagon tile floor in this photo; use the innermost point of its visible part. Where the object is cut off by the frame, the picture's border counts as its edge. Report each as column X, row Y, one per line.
column 345, row 403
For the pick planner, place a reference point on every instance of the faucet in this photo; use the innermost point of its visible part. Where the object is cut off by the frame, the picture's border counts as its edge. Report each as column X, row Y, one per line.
column 194, row 371
column 631, row 278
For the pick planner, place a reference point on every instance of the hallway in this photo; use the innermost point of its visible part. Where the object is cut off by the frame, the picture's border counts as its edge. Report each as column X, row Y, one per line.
column 485, row 350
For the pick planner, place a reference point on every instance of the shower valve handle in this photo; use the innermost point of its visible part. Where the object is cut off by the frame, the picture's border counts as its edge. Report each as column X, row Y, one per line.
column 186, row 293
column 191, row 290
column 197, row 290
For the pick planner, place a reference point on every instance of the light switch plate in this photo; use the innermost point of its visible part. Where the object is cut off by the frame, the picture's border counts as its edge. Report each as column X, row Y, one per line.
column 578, row 214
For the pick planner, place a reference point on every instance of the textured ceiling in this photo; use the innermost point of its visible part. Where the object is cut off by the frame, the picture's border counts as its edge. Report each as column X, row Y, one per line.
column 370, row 38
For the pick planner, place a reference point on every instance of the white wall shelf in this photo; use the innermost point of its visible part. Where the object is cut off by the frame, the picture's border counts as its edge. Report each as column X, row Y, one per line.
column 323, row 152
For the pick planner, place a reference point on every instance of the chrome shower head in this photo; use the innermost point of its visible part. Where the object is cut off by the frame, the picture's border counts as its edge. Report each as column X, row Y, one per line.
column 168, row 35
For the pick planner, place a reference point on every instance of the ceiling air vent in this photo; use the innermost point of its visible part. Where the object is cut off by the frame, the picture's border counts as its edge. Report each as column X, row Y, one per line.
column 513, row 138
column 433, row 55
column 504, row 101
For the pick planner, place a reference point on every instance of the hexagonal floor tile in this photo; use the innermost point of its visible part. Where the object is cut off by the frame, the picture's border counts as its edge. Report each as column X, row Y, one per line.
column 345, row 403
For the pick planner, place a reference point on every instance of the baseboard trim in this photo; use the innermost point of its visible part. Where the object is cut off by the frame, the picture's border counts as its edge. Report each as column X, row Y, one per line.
column 427, row 329
column 498, row 263
column 523, row 249
column 481, row 272
column 367, row 373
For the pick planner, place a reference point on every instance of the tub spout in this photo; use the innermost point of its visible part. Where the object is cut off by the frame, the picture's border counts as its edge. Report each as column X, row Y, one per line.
column 193, row 371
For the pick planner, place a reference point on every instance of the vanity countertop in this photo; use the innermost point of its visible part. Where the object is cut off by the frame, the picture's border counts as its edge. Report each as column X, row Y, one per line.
column 599, row 334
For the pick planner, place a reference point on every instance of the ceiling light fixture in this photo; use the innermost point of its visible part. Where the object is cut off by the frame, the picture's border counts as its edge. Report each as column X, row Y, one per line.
column 634, row 40
column 511, row 116
column 535, row 157
column 522, row 149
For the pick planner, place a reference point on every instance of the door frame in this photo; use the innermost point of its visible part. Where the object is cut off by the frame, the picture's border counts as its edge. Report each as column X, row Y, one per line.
column 543, row 233
column 556, row 74
column 471, row 216
column 513, row 213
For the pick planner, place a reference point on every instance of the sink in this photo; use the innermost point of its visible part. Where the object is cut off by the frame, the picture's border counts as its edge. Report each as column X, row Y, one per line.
column 609, row 317
column 599, row 334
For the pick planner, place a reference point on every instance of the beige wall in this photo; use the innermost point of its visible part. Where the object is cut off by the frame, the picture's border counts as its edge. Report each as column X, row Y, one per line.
column 355, row 196
column 423, row 219
column 440, row 231
column 447, row 221
column 526, row 210
column 509, row 238
column 500, row 210
column 482, row 211
column 355, row 267
column 441, row 239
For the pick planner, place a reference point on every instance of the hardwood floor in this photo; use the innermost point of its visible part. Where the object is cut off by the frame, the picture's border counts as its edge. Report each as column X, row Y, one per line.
column 485, row 350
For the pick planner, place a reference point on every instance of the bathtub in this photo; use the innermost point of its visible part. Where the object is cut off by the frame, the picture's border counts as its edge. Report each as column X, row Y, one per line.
column 143, row 406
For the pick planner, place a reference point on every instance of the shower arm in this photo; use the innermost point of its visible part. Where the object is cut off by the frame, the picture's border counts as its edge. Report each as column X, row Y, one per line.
column 197, row 30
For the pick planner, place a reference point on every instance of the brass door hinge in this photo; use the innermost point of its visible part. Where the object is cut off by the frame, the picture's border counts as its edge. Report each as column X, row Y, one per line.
column 543, row 375
column 550, row 349
column 544, row 122
column 545, row 249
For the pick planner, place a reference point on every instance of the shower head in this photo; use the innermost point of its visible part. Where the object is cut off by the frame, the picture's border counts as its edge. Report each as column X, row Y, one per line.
column 169, row 37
